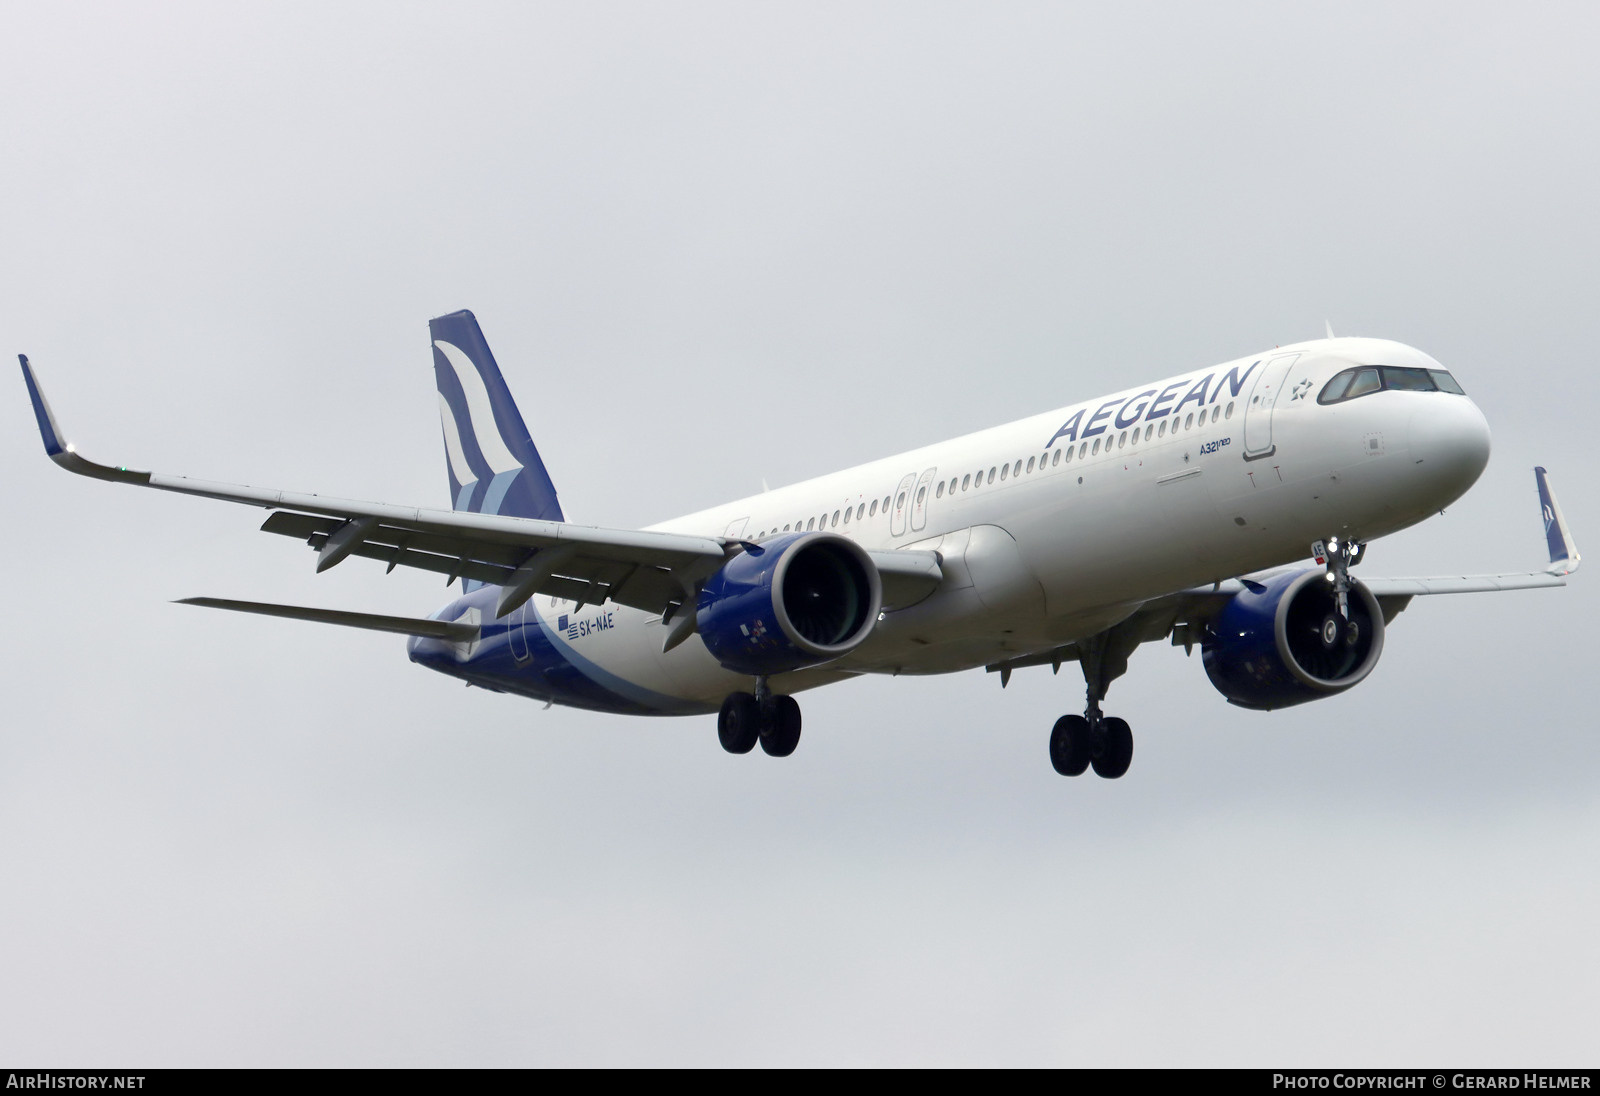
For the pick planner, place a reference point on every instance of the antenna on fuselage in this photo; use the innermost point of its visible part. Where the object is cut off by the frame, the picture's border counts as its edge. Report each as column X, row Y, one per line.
column 1329, row 325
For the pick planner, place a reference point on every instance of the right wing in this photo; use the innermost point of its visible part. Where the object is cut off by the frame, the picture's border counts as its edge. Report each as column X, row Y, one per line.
column 656, row 572
column 651, row 571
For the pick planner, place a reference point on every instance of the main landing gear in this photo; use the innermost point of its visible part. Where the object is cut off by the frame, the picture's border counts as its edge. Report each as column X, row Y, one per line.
column 772, row 720
column 1092, row 739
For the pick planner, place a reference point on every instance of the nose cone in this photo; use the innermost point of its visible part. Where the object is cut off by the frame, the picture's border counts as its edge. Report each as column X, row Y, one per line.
column 1449, row 440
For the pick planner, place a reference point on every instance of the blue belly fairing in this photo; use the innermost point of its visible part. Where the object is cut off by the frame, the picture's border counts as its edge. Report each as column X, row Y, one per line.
column 524, row 655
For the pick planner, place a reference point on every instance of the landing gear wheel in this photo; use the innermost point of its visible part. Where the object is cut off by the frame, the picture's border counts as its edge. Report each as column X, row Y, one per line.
column 1069, row 745
column 1331, row 632
column 739, row 723
column 1115, row 751
column 780, row 732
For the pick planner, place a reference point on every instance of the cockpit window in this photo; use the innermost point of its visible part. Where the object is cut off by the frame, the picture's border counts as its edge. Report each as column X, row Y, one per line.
column 1373, row 378
column 1364, row 381
column 1408, row 380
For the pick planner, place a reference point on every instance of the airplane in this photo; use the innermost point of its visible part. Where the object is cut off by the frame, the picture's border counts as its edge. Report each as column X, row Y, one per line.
column 1182, row 510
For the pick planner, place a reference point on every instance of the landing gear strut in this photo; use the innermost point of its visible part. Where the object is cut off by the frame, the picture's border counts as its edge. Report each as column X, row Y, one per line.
column 772, row 720
column 1339, row 556
column 1093, row 739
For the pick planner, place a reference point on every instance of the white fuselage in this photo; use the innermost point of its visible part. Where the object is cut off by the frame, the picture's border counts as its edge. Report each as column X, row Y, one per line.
column 1060, row 525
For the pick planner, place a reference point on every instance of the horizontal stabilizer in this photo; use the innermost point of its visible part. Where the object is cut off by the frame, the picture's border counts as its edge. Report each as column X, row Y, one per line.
column 406, row 626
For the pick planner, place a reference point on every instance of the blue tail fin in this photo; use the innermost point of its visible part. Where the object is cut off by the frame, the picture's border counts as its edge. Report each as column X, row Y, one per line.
column 494, row 467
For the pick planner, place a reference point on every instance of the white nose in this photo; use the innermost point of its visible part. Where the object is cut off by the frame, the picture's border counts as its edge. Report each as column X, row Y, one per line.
column 1449, row 441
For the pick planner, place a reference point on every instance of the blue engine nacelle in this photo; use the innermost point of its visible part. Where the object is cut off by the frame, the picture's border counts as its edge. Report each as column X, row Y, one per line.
column 791, row 602
column 1282, row 643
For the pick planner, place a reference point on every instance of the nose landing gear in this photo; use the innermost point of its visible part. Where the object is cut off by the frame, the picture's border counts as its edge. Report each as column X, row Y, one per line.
column 1339, row 556
column 772, row 720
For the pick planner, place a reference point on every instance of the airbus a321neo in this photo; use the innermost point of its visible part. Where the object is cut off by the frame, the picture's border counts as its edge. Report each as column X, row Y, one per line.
column 1177, row 509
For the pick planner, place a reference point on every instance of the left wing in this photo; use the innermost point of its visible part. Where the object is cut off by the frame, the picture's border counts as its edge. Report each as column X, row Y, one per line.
column 653, row 571
column 1185, row 616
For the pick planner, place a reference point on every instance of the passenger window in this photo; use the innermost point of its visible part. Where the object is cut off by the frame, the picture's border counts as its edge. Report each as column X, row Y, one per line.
column 836, row 519
column 1055, row 460
column 1004, row 468
column 1228, row 414
column 991, row 475
column 848, row 510
column 874, row 511
column 885, row 504
column 901, row 501
column 922, row 494
column 964, row 481
column 1122, row 439
column 1030, row 464
column 1069, row 455
column 1188, row 421
column 810, row 525
column 1096, row 448
column 861, row 511
column 785, row 527
column 1017, row 471
column 1083, row 450
column 1149, row 431
column 939, row 494
column 1163, row 431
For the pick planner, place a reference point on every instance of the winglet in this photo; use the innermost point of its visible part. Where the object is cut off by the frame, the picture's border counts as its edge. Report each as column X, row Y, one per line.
column 1564, row 558
column 53, row 444
column 57, row 448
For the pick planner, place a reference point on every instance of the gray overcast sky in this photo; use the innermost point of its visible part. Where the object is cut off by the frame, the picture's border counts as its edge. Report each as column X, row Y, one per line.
column 710, row 245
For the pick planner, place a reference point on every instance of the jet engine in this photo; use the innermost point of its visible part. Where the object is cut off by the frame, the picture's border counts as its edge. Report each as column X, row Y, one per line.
column 788, row 603
column 1284, row 642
